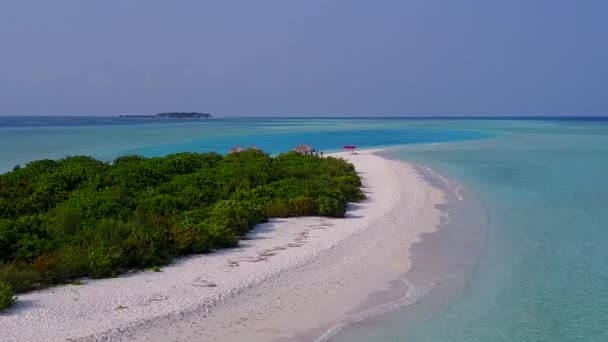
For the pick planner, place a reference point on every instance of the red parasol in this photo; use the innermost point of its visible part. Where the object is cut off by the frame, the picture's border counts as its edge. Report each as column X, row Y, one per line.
column 350, row 147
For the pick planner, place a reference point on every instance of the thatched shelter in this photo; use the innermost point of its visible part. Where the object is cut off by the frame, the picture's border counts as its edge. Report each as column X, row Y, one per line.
column 236, row 149
column 306, row 149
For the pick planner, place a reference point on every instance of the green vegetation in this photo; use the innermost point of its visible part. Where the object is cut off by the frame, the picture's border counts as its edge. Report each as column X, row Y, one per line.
column 7, row 295
column 179, row 115
column 61, row 220
column 174, row 115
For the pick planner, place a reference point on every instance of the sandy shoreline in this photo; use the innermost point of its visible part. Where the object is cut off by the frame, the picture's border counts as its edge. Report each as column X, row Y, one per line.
column 292, row 280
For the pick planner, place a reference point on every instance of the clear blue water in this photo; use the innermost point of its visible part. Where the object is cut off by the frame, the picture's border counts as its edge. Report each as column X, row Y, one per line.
column 26, row 139
column 543, row 270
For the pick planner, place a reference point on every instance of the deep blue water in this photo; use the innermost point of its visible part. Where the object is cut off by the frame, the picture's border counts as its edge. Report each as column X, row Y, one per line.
column 542, row 274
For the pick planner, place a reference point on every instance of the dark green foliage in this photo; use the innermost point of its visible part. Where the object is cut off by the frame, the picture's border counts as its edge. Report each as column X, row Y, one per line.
column 239, row 216
column 19, row 275
column 7, row 295
column 184, row 115
column 61, row 220
column 331, row 207
column 102, row 261
column 278, row 208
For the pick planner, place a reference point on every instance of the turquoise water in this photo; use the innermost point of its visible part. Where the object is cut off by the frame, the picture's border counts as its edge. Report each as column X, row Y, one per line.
column 542, row 273
column 26, row 139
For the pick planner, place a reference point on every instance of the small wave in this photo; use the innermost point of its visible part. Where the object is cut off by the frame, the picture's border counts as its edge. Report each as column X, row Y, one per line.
column 414, row 294
column 420, row 283
column 455, row 187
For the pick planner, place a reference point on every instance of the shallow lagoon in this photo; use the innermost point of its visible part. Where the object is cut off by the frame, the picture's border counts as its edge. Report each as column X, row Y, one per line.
column 542, row 273
column 543, row 270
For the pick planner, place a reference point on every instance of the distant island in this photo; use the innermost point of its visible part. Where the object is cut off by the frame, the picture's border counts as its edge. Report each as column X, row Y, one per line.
column 175, row 115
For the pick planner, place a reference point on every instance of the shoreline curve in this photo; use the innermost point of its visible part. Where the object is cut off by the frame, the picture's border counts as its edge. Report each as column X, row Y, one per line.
column 291, row 280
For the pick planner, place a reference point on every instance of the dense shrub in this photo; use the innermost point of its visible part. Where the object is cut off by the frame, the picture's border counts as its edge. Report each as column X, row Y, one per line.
column 103, row 261
column 7, row 295
column 278, row 208
column 61, row 220
column 20, row 276
column 236, row 215
column 303, row 206
column 331, row 207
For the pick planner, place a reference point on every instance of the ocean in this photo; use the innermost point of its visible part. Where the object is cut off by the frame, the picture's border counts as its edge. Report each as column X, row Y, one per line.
column 534, row 189
column 542, row 271
column 30, row 138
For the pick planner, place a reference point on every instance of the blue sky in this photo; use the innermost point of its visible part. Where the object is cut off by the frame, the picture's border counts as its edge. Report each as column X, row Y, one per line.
column 299, row 58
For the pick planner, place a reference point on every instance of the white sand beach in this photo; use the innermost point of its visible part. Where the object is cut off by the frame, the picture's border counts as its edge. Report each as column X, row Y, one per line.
column 292, row 280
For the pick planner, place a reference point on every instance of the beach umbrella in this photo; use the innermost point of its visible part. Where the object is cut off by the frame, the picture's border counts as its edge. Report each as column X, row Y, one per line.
column 351, row 148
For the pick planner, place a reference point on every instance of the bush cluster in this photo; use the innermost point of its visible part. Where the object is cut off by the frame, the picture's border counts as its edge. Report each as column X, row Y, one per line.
column 65, row 219
column 7, row 295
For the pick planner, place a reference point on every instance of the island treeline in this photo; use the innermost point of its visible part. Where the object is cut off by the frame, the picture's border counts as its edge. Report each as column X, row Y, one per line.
column 76, row 217
column 172, row 115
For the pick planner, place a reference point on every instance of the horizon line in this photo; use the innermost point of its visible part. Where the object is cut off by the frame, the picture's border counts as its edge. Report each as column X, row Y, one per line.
column 443, row 116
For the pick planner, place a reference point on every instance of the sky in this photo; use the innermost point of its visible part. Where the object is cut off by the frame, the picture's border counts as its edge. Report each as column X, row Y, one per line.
column 304, row 58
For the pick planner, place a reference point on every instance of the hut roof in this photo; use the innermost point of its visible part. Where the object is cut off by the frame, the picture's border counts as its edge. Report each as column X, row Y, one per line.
column 236, row 148
column 303, row 148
